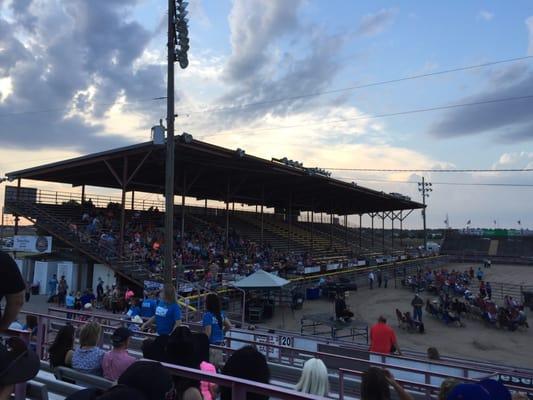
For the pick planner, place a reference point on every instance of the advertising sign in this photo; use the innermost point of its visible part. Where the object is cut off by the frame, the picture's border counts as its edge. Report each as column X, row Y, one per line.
column 32, row 244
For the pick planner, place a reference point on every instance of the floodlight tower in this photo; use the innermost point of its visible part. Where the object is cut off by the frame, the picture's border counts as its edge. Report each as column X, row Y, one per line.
column 424, row 188
column 177, row 47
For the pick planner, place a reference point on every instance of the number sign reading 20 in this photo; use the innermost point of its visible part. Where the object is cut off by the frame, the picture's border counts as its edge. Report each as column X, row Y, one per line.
column 287, row 341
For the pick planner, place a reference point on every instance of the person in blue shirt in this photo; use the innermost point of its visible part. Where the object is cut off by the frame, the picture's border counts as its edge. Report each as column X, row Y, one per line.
column 134, row 309
column 148, row 307
column 214, row 322
column 167, row 313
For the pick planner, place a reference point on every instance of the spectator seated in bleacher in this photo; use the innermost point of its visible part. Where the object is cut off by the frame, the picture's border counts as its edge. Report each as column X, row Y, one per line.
column 61, row 350
column 246, row 363
column 143, row 380
column 375, row 385
column 88, row 357
column 117, row 360
column 314, row 379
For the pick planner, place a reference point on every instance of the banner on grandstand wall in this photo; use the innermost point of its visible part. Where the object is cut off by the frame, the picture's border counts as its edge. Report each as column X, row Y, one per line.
column 32, row 244
column 262, row 345
column 150, row 286
column 333, row 267
column 312, row 270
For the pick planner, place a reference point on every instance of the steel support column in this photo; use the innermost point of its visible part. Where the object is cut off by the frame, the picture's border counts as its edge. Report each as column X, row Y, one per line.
column 123, row 205
column 346, row 230
column 133, row 200
column 227, row 216
column 262, row 215
column 289, row 214
column 182, row 230
column 360, row 231
column 331, row 230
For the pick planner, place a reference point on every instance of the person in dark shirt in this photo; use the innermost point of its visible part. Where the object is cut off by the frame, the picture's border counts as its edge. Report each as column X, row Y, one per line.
column 88, row 297
column 342, row 313
column 12, row 287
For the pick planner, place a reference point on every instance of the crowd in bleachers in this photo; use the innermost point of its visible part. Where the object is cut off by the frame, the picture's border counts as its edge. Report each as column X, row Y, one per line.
column 203, row 244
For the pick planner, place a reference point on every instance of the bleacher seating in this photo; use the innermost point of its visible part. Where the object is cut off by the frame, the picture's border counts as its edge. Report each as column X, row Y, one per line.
column 500, row 247
column 318, row 243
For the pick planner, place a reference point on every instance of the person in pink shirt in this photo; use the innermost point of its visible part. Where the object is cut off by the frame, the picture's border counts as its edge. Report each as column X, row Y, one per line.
column 116, row 361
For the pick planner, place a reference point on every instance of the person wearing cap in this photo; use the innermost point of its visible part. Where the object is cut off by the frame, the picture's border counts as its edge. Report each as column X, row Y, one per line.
column 12, row 287
column 117, row 360
column 417, row 304
column 487, row 389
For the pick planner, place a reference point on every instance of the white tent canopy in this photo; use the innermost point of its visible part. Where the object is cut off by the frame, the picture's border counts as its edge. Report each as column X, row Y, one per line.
column 261, row 279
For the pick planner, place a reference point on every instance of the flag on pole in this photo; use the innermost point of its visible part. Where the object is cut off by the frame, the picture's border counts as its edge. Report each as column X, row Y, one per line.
column 468, row 222
column 494, row 222
column 519, row 223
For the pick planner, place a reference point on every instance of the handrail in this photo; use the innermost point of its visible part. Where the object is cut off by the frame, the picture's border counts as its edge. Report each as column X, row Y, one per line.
column 365, row 361
column 229, row 339
column 240, row 386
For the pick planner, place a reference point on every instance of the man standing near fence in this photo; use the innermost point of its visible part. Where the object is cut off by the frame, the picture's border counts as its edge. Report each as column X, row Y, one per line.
column 417, row 304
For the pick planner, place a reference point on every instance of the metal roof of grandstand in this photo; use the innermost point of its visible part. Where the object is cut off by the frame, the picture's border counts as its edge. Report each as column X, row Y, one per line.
column 206, row 171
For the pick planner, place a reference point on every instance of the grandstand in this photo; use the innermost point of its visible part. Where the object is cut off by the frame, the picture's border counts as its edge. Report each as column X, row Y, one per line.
column 280, row 194
column 497, row 245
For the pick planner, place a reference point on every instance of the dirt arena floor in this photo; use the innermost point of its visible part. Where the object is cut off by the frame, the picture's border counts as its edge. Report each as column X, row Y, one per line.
column 474, row 341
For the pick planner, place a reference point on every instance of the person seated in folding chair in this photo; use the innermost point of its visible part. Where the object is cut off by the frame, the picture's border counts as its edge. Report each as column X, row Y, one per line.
column 342, row 313
column 432, row 308
column 451, row 317
column 413, row 324
column 401, row 319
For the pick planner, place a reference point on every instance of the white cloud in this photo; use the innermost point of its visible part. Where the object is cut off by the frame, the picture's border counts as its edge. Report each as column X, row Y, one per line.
column 529, row 24
column 515, row 160
column 485, row 15
column 6, row 88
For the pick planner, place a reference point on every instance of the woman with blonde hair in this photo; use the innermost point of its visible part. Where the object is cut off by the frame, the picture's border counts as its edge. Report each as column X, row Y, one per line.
column 167, row 313
column 314, row 379
column 88, row 357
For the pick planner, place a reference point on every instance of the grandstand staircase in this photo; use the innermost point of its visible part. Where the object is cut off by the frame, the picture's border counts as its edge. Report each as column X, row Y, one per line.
column 57, row 227
column 493, row 247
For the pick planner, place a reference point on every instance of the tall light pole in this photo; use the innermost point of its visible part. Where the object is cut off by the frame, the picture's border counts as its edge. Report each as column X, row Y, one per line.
column 424, row 187
column 177, row 47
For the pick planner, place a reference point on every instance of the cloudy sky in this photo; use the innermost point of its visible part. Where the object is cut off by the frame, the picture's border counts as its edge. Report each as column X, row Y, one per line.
column 283, row 78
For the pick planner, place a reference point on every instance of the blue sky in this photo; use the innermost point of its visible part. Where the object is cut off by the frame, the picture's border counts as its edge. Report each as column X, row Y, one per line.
column 95, row 63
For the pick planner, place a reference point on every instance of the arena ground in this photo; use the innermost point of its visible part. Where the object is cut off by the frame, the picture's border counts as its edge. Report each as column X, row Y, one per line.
column 475, row 340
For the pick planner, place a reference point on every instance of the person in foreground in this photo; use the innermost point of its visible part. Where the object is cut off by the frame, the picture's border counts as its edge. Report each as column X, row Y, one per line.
column 116, row 361
column 143, row 380
column 88, row 358
column 215, row 323
column 12, row 287
column 17, row 364
column 314, row 379
column 246, row 363
column 487, row 389
column 61, row 350
column 167, row 313
column 383, row 339
column 375, row 385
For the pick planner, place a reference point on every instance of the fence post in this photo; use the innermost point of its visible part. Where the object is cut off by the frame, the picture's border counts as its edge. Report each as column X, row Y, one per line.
column 341, row 384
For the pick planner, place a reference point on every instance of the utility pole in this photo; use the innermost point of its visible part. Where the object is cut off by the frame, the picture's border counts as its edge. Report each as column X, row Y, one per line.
column 424, row 187
column 177, row 29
